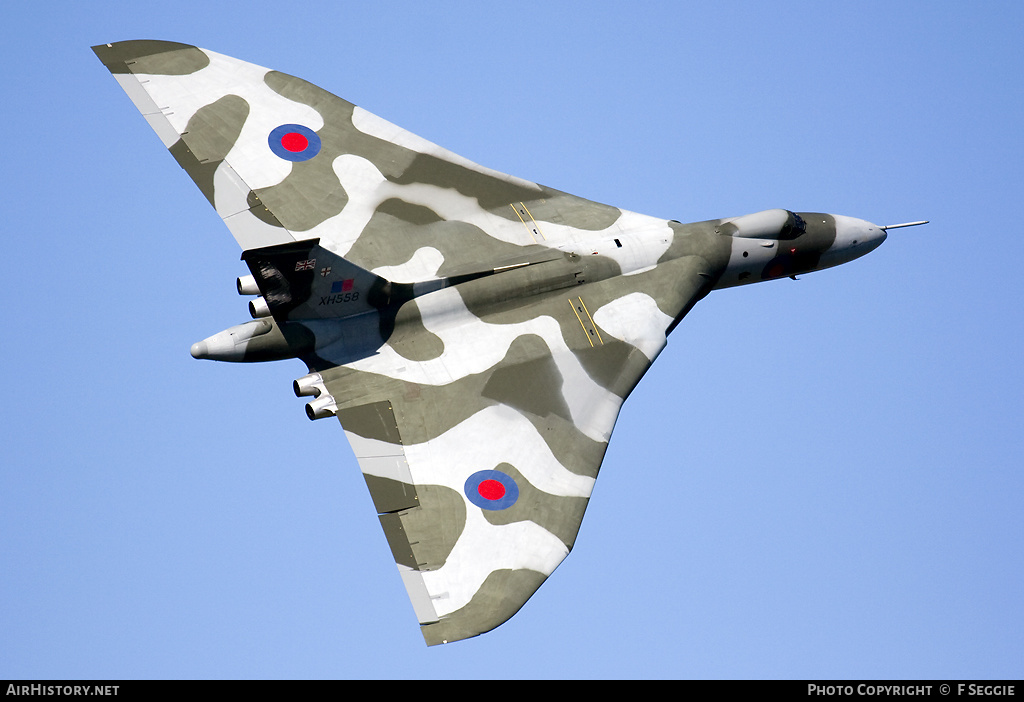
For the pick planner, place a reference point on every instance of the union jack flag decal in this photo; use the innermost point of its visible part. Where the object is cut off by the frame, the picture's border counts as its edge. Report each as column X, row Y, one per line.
column 306, row 265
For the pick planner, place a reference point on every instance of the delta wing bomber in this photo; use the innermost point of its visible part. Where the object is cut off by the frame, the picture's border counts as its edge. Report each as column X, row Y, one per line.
column 474, row 333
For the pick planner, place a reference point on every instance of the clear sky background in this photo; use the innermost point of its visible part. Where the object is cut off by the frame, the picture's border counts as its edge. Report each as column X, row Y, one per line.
column 817, row 479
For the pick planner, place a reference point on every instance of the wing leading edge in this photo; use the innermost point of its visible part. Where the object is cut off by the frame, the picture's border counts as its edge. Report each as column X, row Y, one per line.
column 481, row 415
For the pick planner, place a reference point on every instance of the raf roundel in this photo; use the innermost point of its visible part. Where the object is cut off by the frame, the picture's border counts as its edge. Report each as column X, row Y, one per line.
column 491, row 489
column 293, row 142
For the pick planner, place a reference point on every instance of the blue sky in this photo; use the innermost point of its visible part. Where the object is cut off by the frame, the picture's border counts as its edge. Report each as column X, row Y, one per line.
column 817, row 479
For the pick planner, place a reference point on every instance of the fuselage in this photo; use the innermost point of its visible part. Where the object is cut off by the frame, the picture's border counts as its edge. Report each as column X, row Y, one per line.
column 741, row 250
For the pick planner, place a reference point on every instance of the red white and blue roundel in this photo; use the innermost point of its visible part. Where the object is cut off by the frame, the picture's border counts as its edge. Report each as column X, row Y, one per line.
column 293, row 142
column 492, row 489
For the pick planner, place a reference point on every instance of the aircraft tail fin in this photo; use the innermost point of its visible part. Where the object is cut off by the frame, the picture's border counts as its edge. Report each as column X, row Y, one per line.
column 301, row 280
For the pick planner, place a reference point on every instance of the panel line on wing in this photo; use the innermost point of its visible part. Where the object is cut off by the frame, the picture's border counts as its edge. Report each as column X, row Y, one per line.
column 573, row 305
column 594, row 326
column 535, row 229
column 535, row 224
column 591, row 331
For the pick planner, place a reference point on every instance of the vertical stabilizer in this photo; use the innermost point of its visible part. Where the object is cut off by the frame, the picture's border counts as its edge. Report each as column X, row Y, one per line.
column 303, row 281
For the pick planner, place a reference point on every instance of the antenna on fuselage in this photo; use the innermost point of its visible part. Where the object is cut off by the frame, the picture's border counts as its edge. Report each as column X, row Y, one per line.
column 905, row 224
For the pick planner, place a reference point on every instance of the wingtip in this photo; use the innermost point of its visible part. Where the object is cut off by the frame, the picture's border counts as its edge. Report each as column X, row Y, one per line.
column 117, row 55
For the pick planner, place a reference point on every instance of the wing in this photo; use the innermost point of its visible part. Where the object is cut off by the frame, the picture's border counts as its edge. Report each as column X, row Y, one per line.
column 281, row 159
column 482, row 419
column 480, row 436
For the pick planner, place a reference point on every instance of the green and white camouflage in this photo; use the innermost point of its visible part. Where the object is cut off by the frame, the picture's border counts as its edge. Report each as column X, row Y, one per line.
column 474, row 333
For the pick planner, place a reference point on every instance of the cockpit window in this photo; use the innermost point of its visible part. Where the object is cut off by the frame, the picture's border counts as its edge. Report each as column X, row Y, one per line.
column 769, row 224
column 794, row 226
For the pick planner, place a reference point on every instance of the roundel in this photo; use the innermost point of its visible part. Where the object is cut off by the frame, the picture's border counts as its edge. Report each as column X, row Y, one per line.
column 293, row 142
column 492, row 489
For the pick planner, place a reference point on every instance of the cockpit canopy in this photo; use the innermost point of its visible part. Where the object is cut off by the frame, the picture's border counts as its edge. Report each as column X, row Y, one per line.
column 768, row 224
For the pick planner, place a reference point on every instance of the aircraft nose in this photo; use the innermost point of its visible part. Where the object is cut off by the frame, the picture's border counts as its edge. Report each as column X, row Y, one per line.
column 200, row 350
column 858, row 235
column 854, row 238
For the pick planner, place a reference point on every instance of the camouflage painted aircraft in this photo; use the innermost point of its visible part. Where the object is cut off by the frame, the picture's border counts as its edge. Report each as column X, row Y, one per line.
column 474, row 333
